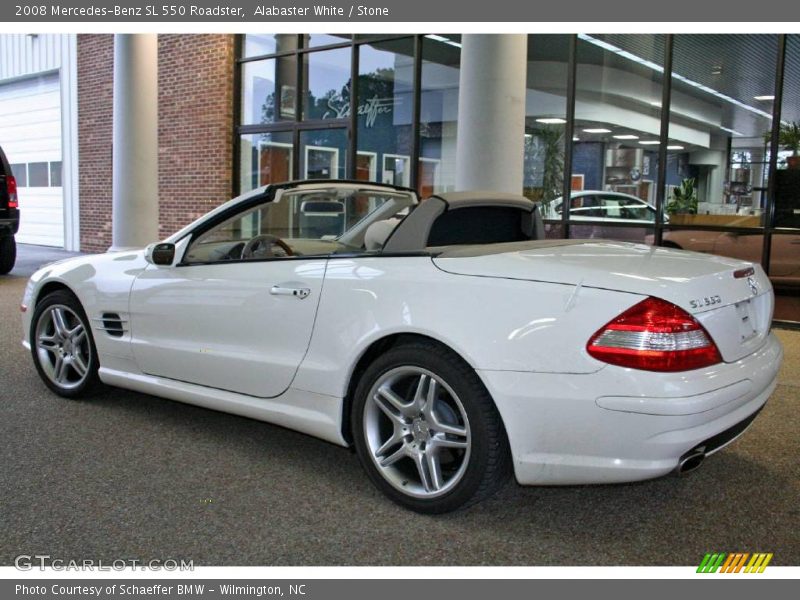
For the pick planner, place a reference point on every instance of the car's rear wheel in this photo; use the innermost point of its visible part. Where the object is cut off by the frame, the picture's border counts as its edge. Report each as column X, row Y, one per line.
column 62, row 345
column 426, row 430
column 8, row 253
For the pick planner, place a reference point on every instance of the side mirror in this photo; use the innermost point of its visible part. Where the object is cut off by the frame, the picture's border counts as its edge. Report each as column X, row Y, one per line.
column 161, row 254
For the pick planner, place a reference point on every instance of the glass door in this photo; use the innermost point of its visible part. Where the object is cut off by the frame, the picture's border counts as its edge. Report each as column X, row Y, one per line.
column 323, row 153
column 266, row 158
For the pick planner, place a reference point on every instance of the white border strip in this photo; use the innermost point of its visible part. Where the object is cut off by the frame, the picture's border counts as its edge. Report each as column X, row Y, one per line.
column 401, row 27
column 309, row 573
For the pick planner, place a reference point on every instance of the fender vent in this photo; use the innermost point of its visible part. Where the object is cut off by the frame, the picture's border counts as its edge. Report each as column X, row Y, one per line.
column 113, row 324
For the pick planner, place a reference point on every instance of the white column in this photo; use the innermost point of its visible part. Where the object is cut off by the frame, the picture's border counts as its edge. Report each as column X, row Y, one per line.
column 135, row 141
column 491, row 112
column 69, row 141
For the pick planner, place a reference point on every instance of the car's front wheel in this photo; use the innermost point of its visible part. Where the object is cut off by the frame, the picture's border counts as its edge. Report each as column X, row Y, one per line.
column 62, row 346
column 426, row 430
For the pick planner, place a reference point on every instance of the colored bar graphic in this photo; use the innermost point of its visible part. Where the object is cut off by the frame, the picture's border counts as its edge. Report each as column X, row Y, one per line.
column 703, row 563
column 734, row 562
column 726, row 568
column 711, row 562
column 766, row 562
column 741, row 562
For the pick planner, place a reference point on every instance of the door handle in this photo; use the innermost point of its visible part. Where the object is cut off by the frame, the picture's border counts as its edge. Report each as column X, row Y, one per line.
column 297, row 292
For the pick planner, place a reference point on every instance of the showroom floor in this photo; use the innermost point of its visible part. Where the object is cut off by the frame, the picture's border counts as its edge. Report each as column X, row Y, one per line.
column 131, row 476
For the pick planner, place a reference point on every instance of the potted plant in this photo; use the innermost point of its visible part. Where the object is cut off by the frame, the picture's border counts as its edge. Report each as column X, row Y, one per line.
column 788, row 139
column 683, row 200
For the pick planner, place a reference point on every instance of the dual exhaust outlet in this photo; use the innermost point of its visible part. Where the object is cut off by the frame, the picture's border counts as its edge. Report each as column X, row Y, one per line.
column 691, row 460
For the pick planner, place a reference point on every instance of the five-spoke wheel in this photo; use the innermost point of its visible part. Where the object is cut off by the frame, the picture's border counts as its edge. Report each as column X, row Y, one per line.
column 62, row 345
column 426, row 430
column 417, row 431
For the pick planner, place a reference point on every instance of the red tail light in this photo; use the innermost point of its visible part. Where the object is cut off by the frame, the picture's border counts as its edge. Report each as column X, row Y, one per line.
column 11, row 184
column 654, row 335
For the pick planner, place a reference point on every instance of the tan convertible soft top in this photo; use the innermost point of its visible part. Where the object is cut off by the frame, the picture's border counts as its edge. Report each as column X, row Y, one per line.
column 412, row 234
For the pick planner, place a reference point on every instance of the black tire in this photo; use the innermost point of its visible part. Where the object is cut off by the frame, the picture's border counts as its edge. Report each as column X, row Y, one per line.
column 90, row 381
column 8, row 253
column 488, row 465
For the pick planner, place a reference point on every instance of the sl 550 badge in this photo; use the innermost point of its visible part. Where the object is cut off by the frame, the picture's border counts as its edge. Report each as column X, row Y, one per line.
column 703, row 302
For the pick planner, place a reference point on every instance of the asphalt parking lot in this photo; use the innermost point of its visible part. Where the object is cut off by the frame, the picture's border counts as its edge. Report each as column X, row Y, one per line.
column 132, row 476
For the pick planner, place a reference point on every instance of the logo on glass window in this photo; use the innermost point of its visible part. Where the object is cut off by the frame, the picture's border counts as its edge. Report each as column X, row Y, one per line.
column 372, row 108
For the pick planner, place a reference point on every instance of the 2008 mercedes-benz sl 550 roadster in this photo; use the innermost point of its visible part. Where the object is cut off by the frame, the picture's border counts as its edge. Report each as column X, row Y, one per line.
column 446, row 340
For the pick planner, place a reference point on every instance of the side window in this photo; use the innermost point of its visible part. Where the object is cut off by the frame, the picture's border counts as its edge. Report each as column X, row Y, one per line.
column 297, row 223
column 627, row 208
column 586, row 207
column 243, row 236
column 611, row 207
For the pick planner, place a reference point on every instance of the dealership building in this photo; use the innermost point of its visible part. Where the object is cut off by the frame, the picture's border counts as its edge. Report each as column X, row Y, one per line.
column 677, row 140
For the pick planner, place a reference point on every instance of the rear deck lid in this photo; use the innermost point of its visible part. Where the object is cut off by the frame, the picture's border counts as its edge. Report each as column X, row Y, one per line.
column 732, row 299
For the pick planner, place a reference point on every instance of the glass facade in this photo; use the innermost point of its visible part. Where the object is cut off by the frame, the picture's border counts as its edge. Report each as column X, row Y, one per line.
column 438, row 116
column 384, row 113
column 617, row 122
column 689, row 141
column 546, row 116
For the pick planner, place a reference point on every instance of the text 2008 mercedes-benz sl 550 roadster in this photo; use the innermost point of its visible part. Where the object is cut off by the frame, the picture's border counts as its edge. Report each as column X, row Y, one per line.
column 446, row 340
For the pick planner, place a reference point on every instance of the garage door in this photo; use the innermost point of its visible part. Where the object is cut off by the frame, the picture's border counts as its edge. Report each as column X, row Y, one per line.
column 30, row 134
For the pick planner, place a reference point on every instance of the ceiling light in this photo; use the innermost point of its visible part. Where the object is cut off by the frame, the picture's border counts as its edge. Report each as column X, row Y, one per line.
column 551, row 121
column 576, row 139
column 444, row 40
column 626, row 136
column 731, row 131
column 597, row 130
column 764, row 98
column 656, row 104
column 649, row 142
column 715, row 70
column 674, row 147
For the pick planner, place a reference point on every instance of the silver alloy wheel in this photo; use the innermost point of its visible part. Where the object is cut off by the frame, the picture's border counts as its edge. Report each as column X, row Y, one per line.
column 417, row 432
column 62, row 346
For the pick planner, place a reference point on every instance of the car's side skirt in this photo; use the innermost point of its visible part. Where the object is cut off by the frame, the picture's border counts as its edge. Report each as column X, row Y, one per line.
column 307, row 412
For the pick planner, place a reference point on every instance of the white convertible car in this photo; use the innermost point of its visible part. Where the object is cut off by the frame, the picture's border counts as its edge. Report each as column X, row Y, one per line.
column 447, row 341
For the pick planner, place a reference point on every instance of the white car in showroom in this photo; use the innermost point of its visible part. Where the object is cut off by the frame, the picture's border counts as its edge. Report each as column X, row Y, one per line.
column 446, row 340
column 599, row 214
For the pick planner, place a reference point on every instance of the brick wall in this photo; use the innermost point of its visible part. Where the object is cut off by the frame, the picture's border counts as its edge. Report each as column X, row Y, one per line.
column 95, row 93
column 195, row 125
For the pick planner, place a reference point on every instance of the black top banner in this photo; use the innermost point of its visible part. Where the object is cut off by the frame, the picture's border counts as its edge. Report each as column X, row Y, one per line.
column 392, row 11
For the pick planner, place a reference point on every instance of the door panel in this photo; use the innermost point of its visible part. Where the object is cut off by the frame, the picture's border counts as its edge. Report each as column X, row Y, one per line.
column 275, row 163
column 223, row 326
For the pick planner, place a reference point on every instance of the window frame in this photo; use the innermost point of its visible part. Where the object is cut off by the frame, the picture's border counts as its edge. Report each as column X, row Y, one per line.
column 659, row 195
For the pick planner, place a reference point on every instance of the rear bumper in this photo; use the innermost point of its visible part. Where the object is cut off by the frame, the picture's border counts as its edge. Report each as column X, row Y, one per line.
column 619, row 424
column 9, row 222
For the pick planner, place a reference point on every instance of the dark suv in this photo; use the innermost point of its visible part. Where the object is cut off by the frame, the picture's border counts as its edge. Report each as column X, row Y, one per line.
column 9, row 216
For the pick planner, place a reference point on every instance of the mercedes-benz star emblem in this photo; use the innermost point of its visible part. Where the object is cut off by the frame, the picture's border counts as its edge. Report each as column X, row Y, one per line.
column 753, row 285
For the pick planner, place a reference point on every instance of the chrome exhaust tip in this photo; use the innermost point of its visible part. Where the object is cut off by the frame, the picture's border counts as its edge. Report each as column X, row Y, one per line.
column 691, row 460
